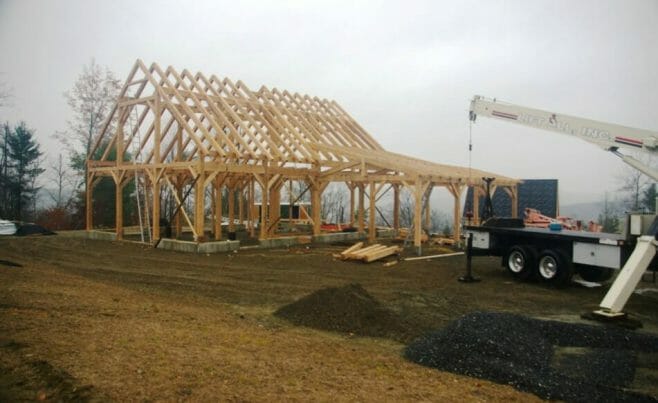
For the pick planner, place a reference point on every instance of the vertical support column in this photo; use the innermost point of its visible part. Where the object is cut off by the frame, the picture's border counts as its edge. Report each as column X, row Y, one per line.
column 218, row 208
column 252, row 207
column 372, row 229
column 89, row 200
column 156, row 207
column 456, row 193
column 275, row 204
column 418, row 211
column 231, row 208
column 178, row 223
column 316, row 197
column 428, row 213
column 118, row 218
column 396, row 207
column 199, row 201
column 351, row 187
column 264, row 203
column 157, row 138
column 362, row 208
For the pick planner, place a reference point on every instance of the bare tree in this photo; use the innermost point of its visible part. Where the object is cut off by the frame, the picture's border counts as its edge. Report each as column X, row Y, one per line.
column 62, row 193
column 90, row 100
column 406, row 209
column 333, row 203
column 634, row 185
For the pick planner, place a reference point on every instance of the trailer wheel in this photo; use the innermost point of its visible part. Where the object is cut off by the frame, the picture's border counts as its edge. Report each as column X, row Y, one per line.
column 594, row 274
column 520, row 261
column 554, row 267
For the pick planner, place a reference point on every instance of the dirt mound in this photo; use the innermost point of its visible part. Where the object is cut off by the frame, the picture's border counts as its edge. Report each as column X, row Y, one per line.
column 348, row 309
column 519, row 351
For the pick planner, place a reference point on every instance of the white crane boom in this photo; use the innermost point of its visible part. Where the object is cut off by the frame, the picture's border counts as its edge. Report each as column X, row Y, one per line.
column 608, row 136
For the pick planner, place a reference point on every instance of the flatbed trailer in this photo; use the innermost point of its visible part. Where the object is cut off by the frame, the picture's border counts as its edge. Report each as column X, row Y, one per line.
column 552, row 256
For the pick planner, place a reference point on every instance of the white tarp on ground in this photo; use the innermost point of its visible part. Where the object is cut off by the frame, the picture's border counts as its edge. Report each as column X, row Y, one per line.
column 7, row 227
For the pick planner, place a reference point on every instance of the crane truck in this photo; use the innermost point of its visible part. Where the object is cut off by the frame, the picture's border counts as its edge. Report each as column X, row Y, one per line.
column 554, row 255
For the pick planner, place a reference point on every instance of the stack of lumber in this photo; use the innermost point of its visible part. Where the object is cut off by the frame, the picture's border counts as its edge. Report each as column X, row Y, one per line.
column 369, row 253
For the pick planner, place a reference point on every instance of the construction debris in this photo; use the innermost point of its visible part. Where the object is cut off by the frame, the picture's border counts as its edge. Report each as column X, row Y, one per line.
column 369, row 253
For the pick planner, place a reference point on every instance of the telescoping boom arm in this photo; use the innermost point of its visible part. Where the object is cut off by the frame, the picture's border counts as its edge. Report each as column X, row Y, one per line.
column 608, row 136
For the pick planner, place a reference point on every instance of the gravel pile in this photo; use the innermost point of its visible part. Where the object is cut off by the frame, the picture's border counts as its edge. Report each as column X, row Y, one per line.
column 349, row 309
column 519, row 351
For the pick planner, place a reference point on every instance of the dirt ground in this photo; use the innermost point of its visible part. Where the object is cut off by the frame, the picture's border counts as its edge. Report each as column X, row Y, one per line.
column 86, row 320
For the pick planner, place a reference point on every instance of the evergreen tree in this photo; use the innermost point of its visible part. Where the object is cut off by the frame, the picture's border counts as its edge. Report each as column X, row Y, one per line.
column 649, row 198
column 21, row 167
column 608, row 218
column 4, row 173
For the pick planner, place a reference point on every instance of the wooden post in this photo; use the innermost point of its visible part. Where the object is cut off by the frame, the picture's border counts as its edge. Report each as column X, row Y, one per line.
column 418, row 211
column 351, row 187
column 372, row 229
column 316, row 197
column 456, row 193
column 218, row 208
column 199, row 202
column 396, row 207
column 264, row 203
column 231, row 208
column 178, row 223
column 157, row 137
column 476, row 205
column 428, row 212
column 156, row 209
column 275, row 204
column 252, row 207
column 118, row 218
column 362, row 209
column 89, row 200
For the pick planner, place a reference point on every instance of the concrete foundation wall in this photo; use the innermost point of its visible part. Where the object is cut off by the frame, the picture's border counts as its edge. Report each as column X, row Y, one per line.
column 101, row 236
column 193, row 247
column 284, row 242
column 339, row 237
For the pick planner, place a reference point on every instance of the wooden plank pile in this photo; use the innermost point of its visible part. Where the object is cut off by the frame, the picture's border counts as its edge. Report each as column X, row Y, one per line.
column 369, row 253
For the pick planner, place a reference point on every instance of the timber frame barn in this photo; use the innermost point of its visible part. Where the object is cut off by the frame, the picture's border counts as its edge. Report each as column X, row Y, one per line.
column 191, row 131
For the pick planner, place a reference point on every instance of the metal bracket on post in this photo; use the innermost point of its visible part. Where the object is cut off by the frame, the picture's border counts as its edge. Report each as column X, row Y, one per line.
column 468, row 277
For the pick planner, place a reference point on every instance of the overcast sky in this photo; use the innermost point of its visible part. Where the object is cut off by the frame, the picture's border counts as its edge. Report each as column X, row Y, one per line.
column 405, row 70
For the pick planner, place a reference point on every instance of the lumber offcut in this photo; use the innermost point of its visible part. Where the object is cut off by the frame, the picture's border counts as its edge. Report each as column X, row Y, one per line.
column 382, row 253
column 369, row 253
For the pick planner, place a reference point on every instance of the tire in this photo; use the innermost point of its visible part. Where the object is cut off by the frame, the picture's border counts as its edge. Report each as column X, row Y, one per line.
column 520, row 261
column 594, row 274
column 554, row 267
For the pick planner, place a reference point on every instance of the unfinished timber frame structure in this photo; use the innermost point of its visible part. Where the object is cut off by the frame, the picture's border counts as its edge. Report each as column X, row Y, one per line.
column 186, row 130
